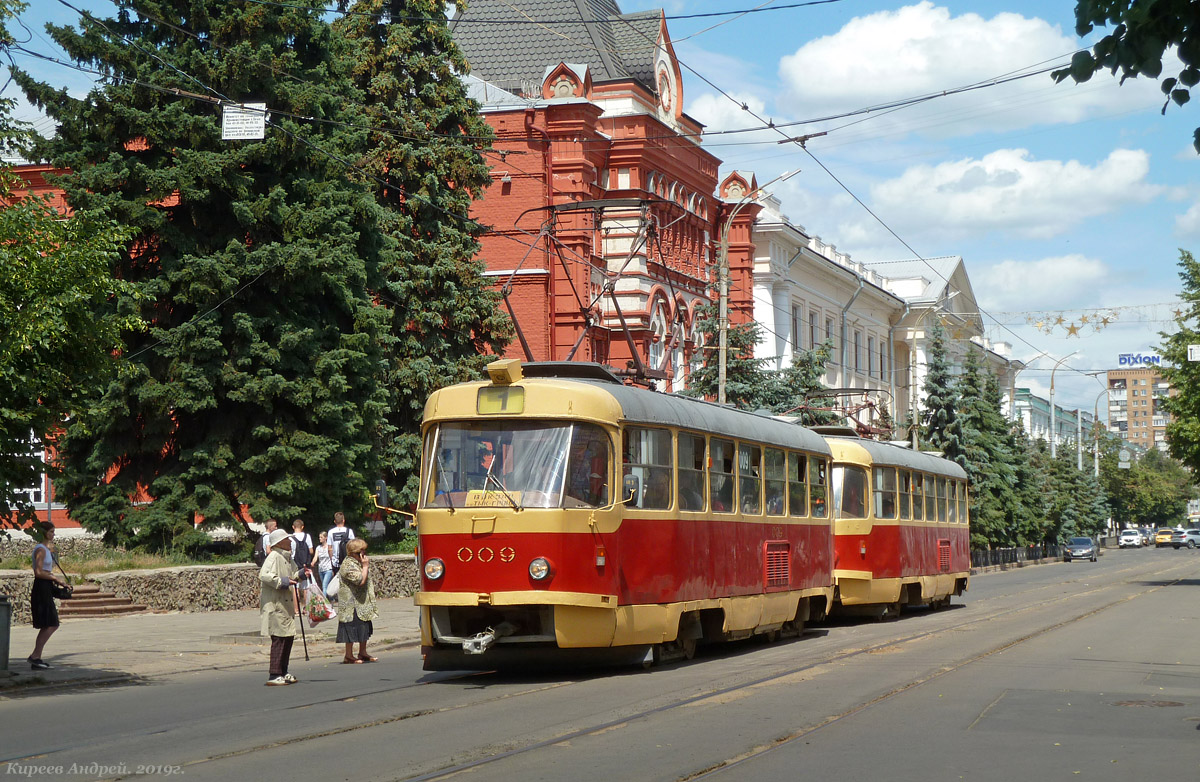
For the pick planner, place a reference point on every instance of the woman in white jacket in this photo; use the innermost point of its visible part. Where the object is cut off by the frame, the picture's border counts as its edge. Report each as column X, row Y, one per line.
column 277, row 605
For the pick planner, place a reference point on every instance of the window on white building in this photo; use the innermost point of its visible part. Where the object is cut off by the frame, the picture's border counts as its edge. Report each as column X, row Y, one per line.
column 813, row 337
column 870, row 356
column 857, row 351
column 797, row 326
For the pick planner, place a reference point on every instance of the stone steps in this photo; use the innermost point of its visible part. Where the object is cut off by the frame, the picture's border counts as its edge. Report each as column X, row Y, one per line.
column 89, row 601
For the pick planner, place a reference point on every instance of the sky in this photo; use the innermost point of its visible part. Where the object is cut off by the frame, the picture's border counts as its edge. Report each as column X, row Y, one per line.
column 1069, row 203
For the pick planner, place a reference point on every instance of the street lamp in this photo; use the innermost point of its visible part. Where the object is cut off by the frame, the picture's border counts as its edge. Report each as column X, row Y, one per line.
column 1053, row 417
column 1012, row 386
column 1095, row 436
column 723, row 275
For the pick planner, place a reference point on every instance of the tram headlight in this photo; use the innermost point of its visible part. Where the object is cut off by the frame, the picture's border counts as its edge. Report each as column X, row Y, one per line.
column 540, row 569
column 434, row 569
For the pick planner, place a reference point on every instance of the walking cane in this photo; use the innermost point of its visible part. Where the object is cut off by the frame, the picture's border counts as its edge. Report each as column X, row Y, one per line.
column 300, row 619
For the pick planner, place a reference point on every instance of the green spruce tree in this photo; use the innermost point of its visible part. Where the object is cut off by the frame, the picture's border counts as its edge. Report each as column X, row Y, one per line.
column 258, row 385
column 940, row 426
column 748, row 385
column 426, row 168
column 1183, row 429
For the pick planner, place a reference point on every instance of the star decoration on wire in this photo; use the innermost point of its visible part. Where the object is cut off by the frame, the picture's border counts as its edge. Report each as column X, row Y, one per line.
column 1073, row 326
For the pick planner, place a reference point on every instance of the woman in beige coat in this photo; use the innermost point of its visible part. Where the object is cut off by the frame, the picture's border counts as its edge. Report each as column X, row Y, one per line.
column 276, row 605
column 356, row 603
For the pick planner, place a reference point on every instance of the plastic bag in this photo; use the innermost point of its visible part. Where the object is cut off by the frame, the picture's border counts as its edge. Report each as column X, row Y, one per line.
column 335, row 586
column 316, row 606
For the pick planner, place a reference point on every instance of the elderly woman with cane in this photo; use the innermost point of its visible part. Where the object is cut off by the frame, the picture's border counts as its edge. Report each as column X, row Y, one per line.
column 277, row 605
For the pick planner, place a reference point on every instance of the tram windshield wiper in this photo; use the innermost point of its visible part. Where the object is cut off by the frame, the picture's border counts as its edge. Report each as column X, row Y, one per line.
column 441, row 470
column 504, row 491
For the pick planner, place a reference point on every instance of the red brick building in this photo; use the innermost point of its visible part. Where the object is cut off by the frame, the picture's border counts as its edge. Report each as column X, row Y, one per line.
column 603, row 208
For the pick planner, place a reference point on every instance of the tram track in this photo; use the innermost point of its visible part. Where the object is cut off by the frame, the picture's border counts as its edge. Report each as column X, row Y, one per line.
column 841, row 657
column 946, row 622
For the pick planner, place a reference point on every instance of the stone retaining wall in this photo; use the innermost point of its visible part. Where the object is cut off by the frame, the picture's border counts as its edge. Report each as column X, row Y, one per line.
column 205, row 587
column 69, row 547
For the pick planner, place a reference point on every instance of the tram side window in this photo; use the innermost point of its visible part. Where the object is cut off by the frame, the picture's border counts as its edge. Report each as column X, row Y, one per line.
column 720, row 475
column 918, row 496
column 931, row 503
column 940, row 485
column 587, row 468
column 797, row 490
column 775, row 473
column 849, row 492
column 691, row 472
column 905, row 481
column 818, row 485
column 646, row 455
column 885, row 492
column 962, row 502
column 750, row 478
column 951, row 502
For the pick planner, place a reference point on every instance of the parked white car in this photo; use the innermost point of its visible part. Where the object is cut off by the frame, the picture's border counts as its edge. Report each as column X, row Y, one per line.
column 1130, row 538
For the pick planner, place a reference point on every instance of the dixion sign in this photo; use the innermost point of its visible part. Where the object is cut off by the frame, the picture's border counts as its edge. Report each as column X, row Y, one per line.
column 1138, row 360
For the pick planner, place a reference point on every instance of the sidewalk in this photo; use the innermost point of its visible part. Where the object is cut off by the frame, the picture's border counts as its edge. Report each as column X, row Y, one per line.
column 145, row 646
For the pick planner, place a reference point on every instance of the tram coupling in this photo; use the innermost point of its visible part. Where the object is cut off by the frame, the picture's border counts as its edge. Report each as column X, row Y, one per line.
column 481, row 642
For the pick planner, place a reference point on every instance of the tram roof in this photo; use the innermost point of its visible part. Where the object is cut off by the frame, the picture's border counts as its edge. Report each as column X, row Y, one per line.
column 890, row 455
column 639, row 405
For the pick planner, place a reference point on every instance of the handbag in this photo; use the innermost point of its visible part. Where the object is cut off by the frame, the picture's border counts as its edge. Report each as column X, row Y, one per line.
column 61, row 591
column 317, row 606
column 335, row 585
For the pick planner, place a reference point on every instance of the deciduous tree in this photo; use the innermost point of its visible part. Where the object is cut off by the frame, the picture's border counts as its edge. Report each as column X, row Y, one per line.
column 1142, row 32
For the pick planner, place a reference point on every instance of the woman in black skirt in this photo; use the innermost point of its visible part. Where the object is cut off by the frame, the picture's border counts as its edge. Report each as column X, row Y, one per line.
column 356, row 602
column 41, row 600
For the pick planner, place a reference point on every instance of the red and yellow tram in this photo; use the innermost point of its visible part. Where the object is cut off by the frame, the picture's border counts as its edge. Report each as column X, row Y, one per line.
column 566, row 516
column 900, row 527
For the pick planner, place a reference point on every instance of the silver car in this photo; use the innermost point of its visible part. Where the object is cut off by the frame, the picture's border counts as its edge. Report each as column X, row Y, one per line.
column 1186, row 537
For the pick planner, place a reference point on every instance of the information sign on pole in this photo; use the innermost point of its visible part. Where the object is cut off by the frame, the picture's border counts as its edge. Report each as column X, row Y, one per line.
column 1193, row 352
column 243, row 122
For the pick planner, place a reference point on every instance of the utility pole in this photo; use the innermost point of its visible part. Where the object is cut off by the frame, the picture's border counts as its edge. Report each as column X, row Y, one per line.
column 723, row 284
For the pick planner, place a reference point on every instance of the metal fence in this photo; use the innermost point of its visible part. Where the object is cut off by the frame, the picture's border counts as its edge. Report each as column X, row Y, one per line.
column 1011, row 556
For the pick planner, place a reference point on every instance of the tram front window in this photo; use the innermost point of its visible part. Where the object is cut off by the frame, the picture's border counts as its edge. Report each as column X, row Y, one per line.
column 516, row 464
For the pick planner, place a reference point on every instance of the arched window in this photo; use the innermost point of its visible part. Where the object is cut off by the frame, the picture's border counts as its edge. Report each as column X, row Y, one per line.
column 659, row 332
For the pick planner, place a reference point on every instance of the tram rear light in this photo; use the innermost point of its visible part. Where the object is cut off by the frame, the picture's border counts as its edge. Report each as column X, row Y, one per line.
column 862, row 548
column 601, row 556
column 434, row 569
column 540, row 569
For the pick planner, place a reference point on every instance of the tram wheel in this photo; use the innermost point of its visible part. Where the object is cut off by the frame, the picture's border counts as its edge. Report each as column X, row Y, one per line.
column 890, row 611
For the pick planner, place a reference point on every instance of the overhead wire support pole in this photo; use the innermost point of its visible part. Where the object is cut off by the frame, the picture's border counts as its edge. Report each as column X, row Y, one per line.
column 723, row 283
column 1053, row 416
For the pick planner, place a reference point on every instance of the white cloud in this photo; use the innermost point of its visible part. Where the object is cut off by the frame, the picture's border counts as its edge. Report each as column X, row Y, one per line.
column 1062, row 281
column 1009, row 191
column 1187, row 225
column 922, row 49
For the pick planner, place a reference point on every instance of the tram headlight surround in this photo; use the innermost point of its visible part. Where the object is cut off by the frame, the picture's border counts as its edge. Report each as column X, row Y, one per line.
column 540, row 569
column 434, row 569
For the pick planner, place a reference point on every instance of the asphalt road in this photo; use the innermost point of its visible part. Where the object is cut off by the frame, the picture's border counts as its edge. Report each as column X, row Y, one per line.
column 1064, row 671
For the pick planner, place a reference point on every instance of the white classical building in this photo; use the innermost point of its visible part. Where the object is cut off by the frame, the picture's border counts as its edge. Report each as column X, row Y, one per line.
column 877, row 316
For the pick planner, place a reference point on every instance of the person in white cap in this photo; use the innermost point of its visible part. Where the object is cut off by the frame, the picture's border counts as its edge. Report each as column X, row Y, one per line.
column 276, row 605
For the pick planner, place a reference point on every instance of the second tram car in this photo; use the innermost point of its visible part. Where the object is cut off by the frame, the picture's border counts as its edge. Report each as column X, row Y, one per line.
column 565, row 516
column 901, row 527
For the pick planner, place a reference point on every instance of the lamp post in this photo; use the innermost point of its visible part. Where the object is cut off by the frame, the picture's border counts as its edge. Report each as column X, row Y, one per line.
column 1095, row 436
column 1053, row 416
column 1012, row 386
column 723, row 281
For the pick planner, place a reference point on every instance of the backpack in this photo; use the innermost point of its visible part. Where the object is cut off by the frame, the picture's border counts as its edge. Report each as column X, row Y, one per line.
column 337, row 544
column 301, row 553
column 259, row 555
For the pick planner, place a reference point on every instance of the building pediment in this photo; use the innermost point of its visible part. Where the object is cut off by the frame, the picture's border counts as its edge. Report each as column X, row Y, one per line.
column 567, row 80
